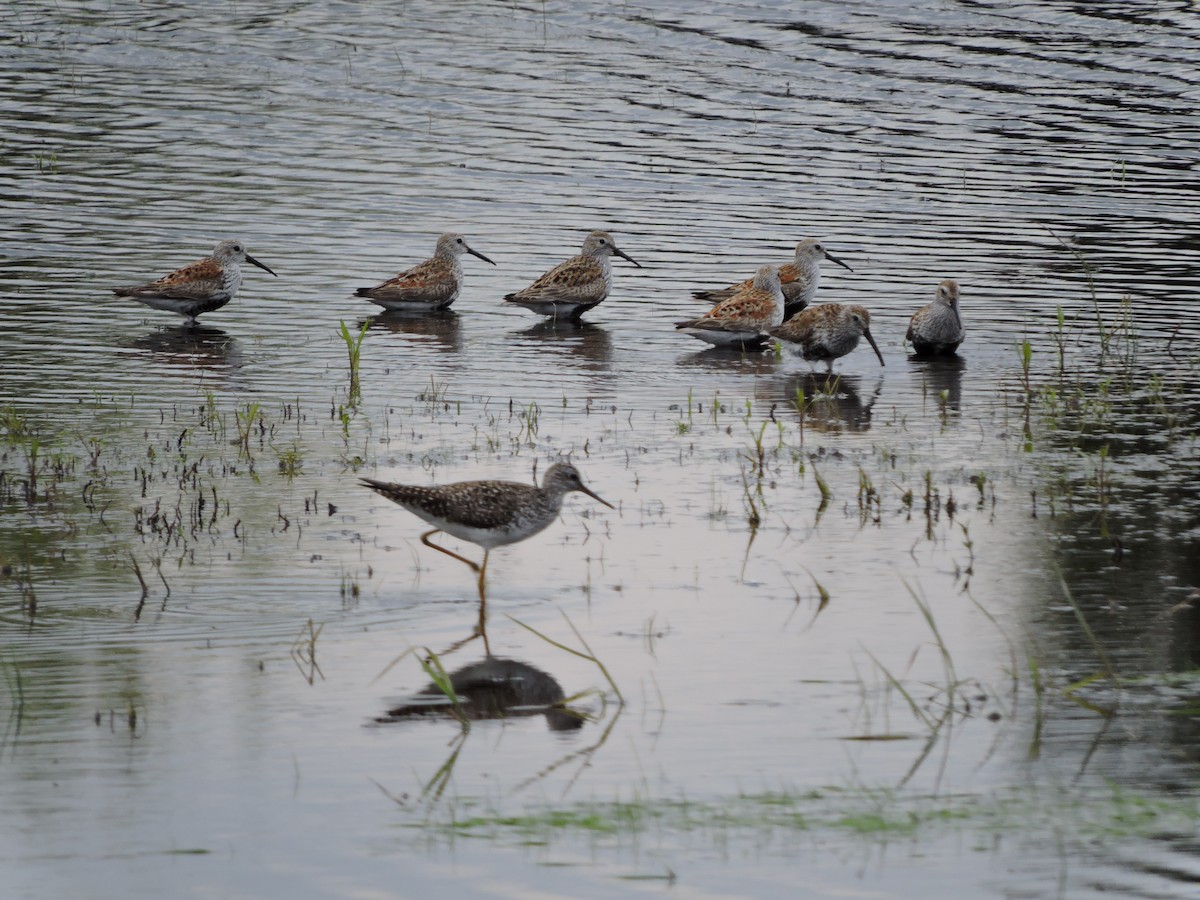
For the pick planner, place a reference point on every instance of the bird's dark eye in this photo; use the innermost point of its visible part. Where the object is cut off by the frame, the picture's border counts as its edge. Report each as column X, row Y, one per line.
column 459, row 241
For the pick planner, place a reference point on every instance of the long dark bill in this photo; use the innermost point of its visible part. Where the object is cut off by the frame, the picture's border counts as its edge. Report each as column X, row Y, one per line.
column 874, row 346
column 254, row 262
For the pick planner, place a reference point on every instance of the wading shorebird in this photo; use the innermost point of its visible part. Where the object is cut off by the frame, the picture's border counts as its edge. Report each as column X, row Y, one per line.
column 427, row 286
column 745, row 317
column 799, row 278
column 572, row 288
column 827, row 332
column 936, row 328
column 202, row 287
column 487, row 513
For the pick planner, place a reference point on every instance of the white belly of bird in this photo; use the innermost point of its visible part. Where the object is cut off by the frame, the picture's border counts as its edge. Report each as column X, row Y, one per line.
column 487, row 538
column 722, row 338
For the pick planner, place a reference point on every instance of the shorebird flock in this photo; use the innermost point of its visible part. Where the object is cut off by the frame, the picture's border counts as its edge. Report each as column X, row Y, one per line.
column 777, row 303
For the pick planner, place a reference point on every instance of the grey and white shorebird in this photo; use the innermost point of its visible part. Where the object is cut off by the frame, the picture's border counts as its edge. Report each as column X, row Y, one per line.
column 936, row 329
column 199, row 288
column 488, row 513
column 573, row 287
column 429, row 285
column 799, row 278
column 827, row 331
column 745, row 317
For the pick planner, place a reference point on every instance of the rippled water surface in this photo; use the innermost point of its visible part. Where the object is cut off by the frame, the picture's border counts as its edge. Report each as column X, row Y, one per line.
column 968, row 671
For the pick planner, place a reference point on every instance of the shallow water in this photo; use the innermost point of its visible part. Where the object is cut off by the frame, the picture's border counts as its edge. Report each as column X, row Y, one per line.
column 165, row 740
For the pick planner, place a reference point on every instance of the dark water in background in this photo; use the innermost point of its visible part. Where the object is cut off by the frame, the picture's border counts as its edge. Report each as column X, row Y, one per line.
column 1043, row 154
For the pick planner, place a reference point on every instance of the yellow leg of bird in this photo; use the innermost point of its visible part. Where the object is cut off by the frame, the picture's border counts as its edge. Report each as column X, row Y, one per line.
column 482, row 570
column 425, row 539
column 482, row 626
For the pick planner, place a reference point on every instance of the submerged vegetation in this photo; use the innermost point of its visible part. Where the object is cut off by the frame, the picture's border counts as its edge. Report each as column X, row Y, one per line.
column 1111, row 813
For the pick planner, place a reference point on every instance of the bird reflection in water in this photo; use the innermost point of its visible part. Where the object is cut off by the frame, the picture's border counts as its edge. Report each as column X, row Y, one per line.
column 941, row 377
column 192, row 346
column 497, row 688
column 832, row 403
column 569, row 340
column 493, row 688
column 724, row 360
column 441, row 330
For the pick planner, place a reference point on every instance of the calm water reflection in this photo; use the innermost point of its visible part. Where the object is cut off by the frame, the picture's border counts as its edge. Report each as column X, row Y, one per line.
column 441, row 330
column 191, row 347
column 1039, row 153
column 493, row 688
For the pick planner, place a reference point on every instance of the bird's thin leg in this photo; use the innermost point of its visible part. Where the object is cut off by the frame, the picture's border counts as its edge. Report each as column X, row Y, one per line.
column 482, row 570
column 458, row 645
column 425, row 539
column 481, row 631
column 481, row 628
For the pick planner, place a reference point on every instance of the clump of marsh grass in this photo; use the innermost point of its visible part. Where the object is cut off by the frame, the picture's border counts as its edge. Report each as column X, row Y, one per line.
column 291, row 461
column 354, row 352
column 1025, row 355
column 246, row 419
column 14, row 425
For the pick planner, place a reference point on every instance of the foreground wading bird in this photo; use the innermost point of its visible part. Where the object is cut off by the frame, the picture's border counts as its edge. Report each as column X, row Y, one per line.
column 427, row 286
column 199, row 288
column 573, row 287
column 487, row 513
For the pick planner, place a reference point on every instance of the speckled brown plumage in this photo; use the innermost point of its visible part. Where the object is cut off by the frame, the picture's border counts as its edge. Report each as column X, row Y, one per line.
column 429, row 285
column 827, row 332
column 745, row 317
column 799, row 278
column 573, row 287
column 488, row 513
column 198, row 288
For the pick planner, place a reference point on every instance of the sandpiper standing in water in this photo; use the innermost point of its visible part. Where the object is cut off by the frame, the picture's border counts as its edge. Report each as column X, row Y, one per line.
column 430, row 285
column 936, row 329
column 199, row 288
column 572, row 288
column 487, row 513
column 745, row 317
column 827, row 332
column 799, row 278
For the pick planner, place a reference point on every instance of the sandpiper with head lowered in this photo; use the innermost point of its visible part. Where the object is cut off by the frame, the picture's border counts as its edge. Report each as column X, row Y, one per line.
column 572, row 288
column 743, row 319
column 936, row 329
column 827, row 332
column 487, row 513
column 199, row 288
column 430, row 285
column 799, row 278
